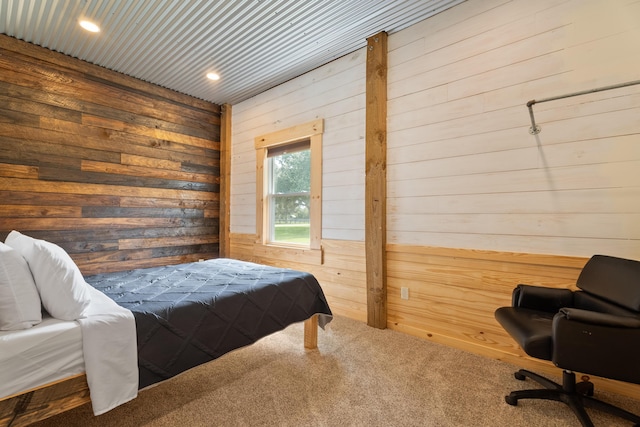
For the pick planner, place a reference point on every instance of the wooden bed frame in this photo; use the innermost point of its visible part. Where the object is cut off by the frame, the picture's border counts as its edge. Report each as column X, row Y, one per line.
column 51, row 399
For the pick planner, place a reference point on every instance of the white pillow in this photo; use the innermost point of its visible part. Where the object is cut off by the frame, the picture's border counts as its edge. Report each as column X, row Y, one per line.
column 20, row 306
column 62, row 288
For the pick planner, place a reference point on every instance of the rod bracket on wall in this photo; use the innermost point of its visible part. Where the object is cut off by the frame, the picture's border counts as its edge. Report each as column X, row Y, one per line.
column 535, row 129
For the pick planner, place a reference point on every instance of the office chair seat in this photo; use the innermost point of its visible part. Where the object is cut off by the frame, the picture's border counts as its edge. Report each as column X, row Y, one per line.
column 529, row 328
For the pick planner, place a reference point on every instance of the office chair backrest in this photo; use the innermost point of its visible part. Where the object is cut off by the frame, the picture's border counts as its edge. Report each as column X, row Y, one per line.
column 587, row 301
column 614, row 279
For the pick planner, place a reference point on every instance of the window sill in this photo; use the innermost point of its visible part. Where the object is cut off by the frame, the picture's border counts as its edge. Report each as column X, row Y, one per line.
column 289, row 253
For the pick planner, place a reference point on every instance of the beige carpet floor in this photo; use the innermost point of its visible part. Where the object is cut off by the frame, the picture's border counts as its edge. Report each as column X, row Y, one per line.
column 359, row 376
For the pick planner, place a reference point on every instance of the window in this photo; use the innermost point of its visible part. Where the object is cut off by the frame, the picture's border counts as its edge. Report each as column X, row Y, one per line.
column 288, row 187
column 288, row 202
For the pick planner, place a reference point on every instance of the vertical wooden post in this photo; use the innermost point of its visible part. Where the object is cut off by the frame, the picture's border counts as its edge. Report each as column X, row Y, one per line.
column 225, row 181
column 376, row 180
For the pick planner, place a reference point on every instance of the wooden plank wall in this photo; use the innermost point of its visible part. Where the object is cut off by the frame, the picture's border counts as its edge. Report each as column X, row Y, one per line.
column 453, row 294
column 120, row 173
column 463, row 169
column 334, row 93
column 476, row 204
column 342, row 273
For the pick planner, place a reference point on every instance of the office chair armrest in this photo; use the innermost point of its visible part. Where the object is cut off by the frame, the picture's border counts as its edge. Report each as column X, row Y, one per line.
column 596, row 318
column 541, row 298
column 596, row 343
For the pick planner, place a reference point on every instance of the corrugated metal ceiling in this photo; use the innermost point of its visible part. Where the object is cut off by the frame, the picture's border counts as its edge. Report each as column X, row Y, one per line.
column 252, row 44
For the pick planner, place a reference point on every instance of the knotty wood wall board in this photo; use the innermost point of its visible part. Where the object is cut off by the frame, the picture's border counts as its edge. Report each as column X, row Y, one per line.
column 453, row 294
column 342, row 273
column 376, row 179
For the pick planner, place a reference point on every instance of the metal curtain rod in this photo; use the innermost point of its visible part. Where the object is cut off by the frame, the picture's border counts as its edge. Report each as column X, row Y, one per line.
column 535, row 129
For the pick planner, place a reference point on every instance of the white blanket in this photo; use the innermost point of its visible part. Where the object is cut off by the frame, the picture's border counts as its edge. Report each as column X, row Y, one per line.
column 110, row 353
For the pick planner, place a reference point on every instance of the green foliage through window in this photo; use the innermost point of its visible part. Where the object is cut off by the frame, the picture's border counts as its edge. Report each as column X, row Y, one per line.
column 289, row 198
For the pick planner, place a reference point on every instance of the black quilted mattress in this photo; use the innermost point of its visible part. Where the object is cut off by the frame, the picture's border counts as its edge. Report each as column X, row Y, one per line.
column 189, row 314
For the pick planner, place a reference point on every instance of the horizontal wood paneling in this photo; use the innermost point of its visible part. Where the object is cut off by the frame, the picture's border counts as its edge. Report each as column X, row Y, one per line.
column 334, row 93
column 453, row 294
column 120, row 173
column 341, row 274
column 463, row 170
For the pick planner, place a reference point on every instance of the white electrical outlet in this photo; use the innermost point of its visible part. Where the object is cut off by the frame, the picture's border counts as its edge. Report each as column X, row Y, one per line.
column 404, row 293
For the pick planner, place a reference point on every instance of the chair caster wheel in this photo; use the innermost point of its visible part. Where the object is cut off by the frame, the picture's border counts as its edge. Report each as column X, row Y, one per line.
column 585, row 387
column 511, row 400
column 519, row 376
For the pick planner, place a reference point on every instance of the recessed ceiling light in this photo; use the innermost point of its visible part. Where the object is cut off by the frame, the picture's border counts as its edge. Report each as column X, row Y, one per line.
column 89, row 26
column 213, row 76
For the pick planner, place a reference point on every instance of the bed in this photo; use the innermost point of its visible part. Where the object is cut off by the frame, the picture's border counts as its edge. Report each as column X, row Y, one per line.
column 185, row 315
column 189, row 314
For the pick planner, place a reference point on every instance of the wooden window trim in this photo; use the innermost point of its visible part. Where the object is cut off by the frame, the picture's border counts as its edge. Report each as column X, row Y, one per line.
column 313, row 131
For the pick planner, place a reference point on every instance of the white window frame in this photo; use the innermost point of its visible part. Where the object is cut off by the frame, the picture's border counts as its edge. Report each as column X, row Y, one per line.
column 313, row 132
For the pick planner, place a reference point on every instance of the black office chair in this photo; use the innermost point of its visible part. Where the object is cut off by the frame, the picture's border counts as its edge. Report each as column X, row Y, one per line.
column 595, row 330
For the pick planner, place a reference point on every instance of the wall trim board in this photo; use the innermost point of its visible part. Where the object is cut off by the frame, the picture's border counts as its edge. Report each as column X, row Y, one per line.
column 499, row 256
column 376, row 179
column 296, row 134
column 225, row 178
